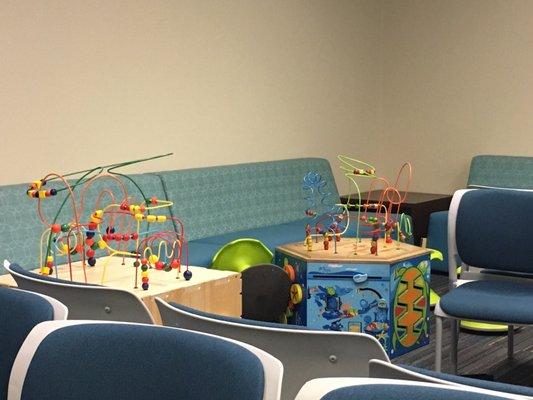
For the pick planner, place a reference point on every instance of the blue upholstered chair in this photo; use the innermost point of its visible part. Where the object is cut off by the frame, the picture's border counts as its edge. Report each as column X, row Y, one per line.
column 112, row 360
column 305, row 354
column 372, row 388
column 489, row 230
column 20, row 311
column 84, row 301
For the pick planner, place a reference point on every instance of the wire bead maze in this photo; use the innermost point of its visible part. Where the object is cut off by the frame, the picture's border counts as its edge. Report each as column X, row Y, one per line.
column 332, row 221
column 116, row 224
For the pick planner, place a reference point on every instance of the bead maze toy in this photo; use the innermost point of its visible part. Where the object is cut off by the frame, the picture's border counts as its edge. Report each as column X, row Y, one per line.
column 359, row 284
column 114, row 223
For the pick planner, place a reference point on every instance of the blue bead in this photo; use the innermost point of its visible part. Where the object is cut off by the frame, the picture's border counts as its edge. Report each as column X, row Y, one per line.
column 91, row 261
column 145, row 286
column 187, row 275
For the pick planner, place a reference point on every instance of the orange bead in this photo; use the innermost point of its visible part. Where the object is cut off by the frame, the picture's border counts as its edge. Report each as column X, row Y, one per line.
column 56, row 228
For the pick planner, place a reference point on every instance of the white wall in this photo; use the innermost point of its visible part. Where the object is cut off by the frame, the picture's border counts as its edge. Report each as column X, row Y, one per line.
column 216, row 82
column 457, row 81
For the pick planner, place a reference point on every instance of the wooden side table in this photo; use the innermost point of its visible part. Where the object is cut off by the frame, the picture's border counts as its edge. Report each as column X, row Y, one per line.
column 418, row 205
column 218, row 292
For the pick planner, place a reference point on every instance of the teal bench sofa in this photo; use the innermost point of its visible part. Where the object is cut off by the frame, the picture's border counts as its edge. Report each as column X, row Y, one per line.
column 261, row 200
column 486, row 171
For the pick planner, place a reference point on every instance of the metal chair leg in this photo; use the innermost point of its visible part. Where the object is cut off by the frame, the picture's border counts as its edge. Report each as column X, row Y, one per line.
column 438, row 344
column 453, row 347
column 510, row 341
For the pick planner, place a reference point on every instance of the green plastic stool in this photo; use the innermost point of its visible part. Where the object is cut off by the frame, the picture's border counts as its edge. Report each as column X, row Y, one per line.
column 241, row 254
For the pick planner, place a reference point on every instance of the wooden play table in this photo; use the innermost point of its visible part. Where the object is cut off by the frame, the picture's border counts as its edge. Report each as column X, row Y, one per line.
column 208, row 290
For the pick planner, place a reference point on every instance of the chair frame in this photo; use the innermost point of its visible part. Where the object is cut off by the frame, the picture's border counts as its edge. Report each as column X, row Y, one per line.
column 468, row 274
column 317, row 388
column 305, row 354
column 83, row 301
column 273, row 368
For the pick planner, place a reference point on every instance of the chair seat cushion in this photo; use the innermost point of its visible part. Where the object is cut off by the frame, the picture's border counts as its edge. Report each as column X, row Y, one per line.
column 489, row 385
column 402, row 392
column 491, row 301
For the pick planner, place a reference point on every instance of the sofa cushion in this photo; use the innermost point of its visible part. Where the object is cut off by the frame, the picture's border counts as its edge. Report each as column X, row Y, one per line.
column 271, row 236
column 217, row 200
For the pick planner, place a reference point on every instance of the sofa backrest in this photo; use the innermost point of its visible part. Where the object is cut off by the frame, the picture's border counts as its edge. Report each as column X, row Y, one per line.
column 501, row 171
column 216, row 200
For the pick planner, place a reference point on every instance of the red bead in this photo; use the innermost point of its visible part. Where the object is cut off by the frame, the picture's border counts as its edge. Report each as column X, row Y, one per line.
column 143, row 209
column 79, row 248
column 124, row 206
column 135, row 236
column 118, row 237
column 153, row 200
column 105, row 238
column 125, row 237
column 159, row 265
column 90, row 253
column 49, row 264
column 144, row 280
column 89, row 242
column 175, row 264
column 144, row 261
column 56, row 228
column 92, row 226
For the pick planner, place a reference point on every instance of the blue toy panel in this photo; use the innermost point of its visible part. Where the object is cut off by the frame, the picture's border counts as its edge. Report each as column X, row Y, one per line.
column 349, row 297
column 299, row 313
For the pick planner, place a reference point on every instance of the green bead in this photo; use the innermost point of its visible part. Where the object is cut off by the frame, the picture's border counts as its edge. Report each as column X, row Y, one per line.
column 136, row 264
column 144, row 268
column 168, row 268
column 95, row 246
column 65, row 227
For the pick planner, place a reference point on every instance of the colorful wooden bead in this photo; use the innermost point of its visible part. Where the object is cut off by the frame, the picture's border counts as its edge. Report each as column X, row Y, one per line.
column 91, row 261
column 151, row 218
column 153, row 259
column 159, row 265
column 187, row 275
column 55, row 228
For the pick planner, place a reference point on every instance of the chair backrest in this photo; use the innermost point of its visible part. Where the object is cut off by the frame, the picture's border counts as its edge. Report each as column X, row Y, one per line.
column 20, row 311
column 84, row 301
column 305, row 354
column 112, row 360
column 371, row 388
column 489, row 228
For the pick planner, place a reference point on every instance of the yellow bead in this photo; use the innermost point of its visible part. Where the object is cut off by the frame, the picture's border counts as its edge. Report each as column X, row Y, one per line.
column 36, row 184
column 144, row 274
column 49, row 259
column 153, row 259
column 137, row 208
column 99, row 213
column 64, row 248
column 102, row 244
column 150, row 218
column 161, row 218
column 45, row 271
column 132, row 208
column 95, row 219
column 139, row 217
column 30, row 193
column 42, row 194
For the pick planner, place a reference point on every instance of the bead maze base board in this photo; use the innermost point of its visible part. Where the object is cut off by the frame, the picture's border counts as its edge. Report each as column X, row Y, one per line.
column 385, row 295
